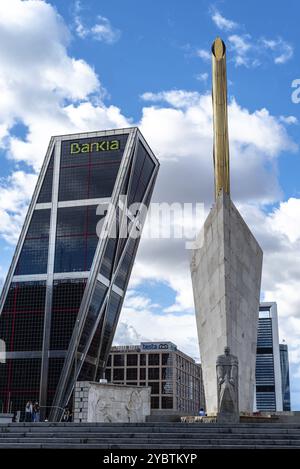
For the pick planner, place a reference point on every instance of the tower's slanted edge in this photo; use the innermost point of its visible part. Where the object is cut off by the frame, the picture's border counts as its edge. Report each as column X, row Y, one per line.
column 226, row 277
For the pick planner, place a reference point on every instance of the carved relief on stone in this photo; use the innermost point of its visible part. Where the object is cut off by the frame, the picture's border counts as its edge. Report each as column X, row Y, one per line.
column 102, row 411
column 134, row 404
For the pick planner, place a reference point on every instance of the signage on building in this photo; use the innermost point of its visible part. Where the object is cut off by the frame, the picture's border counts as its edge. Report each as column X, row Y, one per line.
column 101, row 145
column 158, row 346
column 125, row 348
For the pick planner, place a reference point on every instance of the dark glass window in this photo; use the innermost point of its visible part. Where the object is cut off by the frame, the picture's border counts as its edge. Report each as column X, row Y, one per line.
column 95, row 344
column 34, row 255
column 143, row 170
column 108, row 258
column 108, row 374
column 119, row 360
column 131, row 373
column 90, row 174
column 153, row 358
column 45, row 194
column 55, row 367
column 118, row 374
column 166, row 359
column 92, row 315
column 19, row 381
column 87, row 372
column 76, row 238
column 109, row 361
column 67, row 296
column 142, row 373
column 167, row 402
column 22, row 319
column 126, row 263
column 111, row 318
column 154, row 402
column 154, row 387
column 132, row 359
column 142, row 359
column 153, row 373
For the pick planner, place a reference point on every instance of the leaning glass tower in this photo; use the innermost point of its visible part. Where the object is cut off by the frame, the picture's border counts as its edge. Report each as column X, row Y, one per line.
column 64, row 291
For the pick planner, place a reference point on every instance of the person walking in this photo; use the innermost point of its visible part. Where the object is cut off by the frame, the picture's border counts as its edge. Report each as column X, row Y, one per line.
column 36, row 412
column 28, row 412
column 66, row 414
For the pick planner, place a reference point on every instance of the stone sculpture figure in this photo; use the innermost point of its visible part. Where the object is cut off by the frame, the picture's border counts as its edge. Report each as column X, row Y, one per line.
column 228, row 389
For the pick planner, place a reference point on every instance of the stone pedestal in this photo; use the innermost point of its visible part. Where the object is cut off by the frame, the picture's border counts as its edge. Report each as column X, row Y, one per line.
column 226, row 277
column 96, row 402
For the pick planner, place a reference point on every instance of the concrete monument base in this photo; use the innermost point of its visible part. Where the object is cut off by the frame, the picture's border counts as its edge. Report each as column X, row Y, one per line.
column 226, row 277
column 97, row 402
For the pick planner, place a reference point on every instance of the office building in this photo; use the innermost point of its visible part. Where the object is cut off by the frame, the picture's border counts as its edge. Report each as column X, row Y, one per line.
column 66, row 284
column 285, row 377
column 174, row 377
column 268, row 372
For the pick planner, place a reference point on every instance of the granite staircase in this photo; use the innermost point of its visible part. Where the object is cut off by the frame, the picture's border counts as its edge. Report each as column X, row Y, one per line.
column 149, row 435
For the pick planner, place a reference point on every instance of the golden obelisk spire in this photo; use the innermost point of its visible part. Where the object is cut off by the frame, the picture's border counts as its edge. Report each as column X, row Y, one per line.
column 220, row 120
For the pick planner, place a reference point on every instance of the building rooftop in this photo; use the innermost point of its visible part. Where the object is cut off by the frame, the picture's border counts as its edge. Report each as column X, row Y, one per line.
column 151, row 347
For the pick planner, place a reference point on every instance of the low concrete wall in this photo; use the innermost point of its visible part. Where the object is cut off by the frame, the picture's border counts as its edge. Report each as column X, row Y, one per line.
column 97, row 402
column 287, row 417
column 166, row 415
column 6, row 418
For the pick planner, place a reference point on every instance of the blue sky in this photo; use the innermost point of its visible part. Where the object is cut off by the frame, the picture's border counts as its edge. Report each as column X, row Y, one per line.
column 69, row 66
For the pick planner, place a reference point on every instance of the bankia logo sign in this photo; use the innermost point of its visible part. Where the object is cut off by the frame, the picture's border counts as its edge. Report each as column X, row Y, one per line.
column 94, row 147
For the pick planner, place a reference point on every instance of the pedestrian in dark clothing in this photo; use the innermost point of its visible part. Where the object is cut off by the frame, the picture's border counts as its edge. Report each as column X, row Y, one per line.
column 36, row 412
column 66, row 414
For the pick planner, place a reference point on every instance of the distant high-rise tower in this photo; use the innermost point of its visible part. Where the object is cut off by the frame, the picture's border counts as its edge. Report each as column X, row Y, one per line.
column 67, row 281
column 285, row 377
column 268, row 371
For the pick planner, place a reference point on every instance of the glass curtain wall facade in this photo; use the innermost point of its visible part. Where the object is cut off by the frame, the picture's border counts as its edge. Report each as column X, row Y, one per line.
column 64, row 291
column 285, row 377
column 268, row 373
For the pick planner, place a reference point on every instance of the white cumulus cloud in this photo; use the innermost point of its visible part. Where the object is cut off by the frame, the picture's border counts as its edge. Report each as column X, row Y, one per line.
column 102, row 30
column 223, row 23
column 204, row 54
column 281, row 50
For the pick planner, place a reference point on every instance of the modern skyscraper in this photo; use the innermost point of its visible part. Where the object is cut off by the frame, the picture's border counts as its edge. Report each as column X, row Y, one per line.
column 68, row 277
column 268, row 372
column 285, row 377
